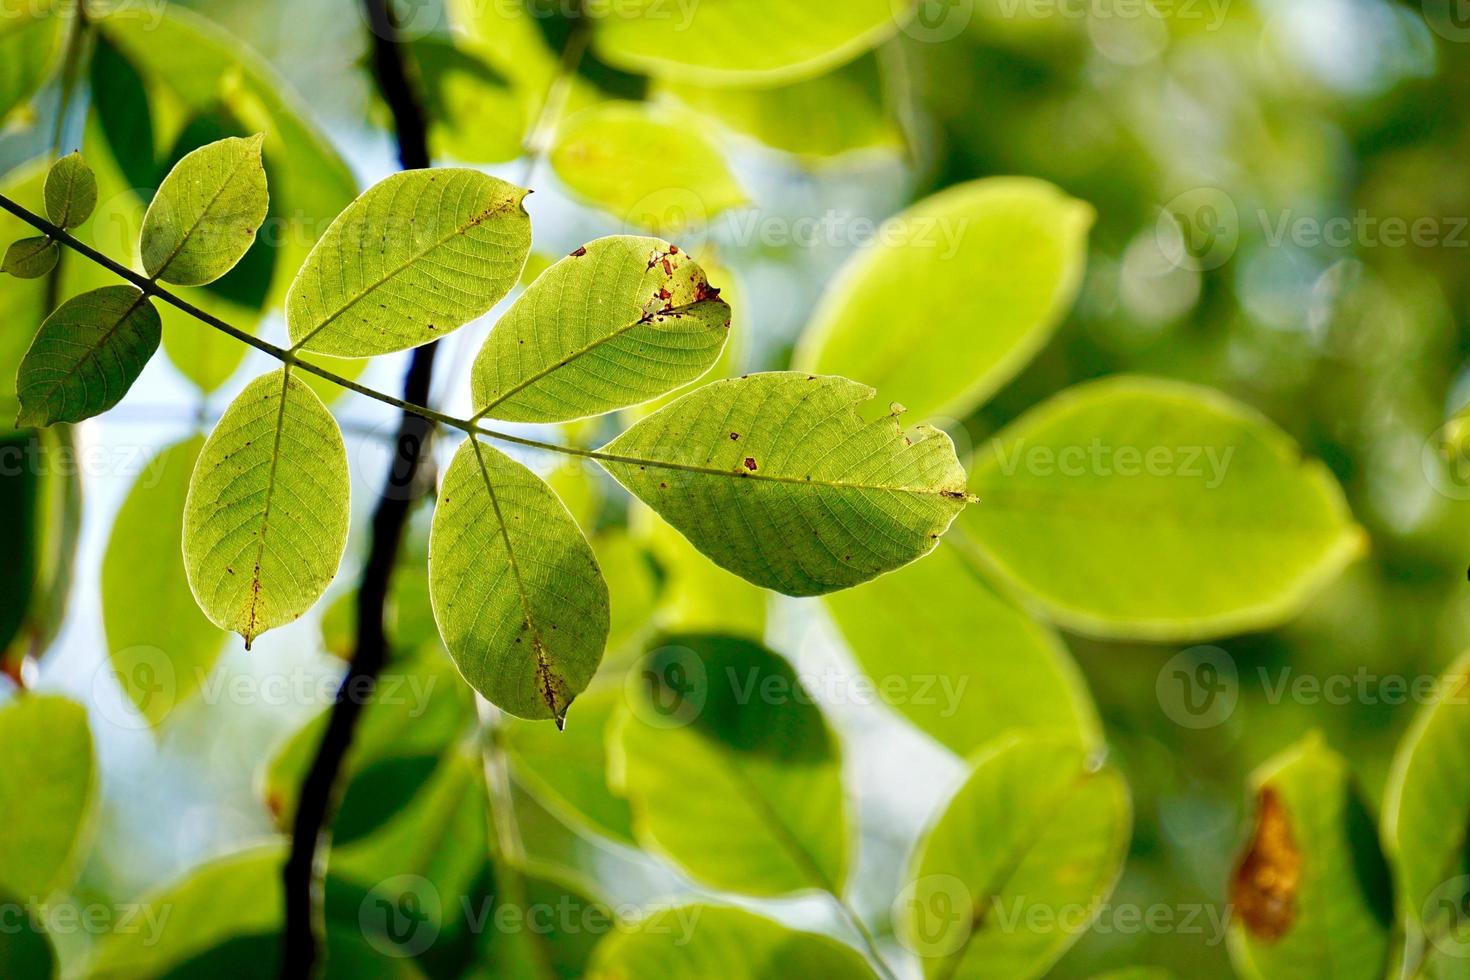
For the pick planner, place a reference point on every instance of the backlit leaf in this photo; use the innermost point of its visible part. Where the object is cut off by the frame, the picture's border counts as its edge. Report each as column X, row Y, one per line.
column 1135, row 507
column 780, row 479
column 742, row 42
column 266, row 520
column 517, row 593
column 416, row 257
column 31, row 258
column 732, row 718
column 1311, row 891
column 71, row 191
column 48, row 787
column 1029, row 847
column 87, row 355
column 650, row 168
column 204, row 217
column 162, row 647
column 960, row 293
column 618, row 322
column 688, row 942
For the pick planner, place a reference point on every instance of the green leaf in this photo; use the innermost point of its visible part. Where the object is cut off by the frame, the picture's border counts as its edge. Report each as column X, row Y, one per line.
column 1018, row 863
column 162, row 647
column 71, row 191
column 1426, row 809
column 960, row 662
column 780, row 479
column 87, row 355
column 48, row 789
column 204, row 217
column 742, row 42
column 1136, row 507
column 651, row 168
column 231, row 898
column 1311, row 892
column 567, row 771
column 517, row 593
column 26, row 952
column 962, row 291
column 837, row 113
column 616, row 323
column 554, row 946
column 474, row 116
column 205, row 356
column 416, row 257
column 266, row 521
column 699, row 596
column 731, row 718
column 31, row 258
column 30, row 33
column 696, row 941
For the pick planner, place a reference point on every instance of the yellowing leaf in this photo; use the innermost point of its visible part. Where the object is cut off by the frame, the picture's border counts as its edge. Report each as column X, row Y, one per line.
column 650, row 168
column 618, row 322
column 204, row 217
column 780, row 479
column 959, row 294
column 266, row 520
column 413, row 259
column 517, row 593
column 742, row 42
column 87, row 355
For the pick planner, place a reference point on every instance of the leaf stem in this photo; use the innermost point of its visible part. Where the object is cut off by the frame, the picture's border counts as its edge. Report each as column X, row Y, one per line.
column 869, row 940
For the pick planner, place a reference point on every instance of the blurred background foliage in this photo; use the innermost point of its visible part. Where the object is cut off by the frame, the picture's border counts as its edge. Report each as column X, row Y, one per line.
column 1220, row 119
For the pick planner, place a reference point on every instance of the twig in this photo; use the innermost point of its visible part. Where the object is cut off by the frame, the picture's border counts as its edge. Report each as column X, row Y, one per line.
column 320, row 789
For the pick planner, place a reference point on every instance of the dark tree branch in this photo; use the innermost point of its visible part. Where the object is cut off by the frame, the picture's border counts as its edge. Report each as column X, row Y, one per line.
column 311, row 827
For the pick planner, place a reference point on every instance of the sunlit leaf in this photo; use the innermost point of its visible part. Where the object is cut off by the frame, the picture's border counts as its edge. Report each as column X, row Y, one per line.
column 71, row 191
column 959, row 661
column 205, row 214
column 475, row 116
column 1017, row 864
column 30, row 32
column 1134, row 507
column 266, row 521
column 960, row 292
column 568, row 770
column 1311, row 891
column 732, row 718
column 742, row 42
column 618, row 322
column 48, row 788
column 162, row 647
column 700, row 596
column 87, row 355
column 782, row 480
column 650, row 168
column 520, row 601
column 695, row 941
column 416, row 257
column 31, row 258
column 1426, row 810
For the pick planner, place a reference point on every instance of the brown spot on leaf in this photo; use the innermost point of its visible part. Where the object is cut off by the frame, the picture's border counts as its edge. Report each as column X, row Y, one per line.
column 734, row 437
column 750, row 463
column 704, row 293
column 1264, row 886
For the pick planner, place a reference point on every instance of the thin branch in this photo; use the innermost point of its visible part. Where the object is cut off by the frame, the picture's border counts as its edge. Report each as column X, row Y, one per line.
column 319, row 791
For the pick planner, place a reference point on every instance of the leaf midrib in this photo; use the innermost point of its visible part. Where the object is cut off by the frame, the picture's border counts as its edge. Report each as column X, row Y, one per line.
column 92, row 351
column 265, row 514
column 208, row 207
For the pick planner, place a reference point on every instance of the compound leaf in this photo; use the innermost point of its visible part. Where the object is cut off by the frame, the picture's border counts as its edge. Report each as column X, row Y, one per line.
column 692, row 941
column 964, row 289
column 1018, row 863
column 206, row 212
column 48, row 787
column 618, row 322
column 778, row 478
column 87, row 355
column 416, row 257
column 265, row 524
column 162, row 647
column 519, row 599
column 71, row 191
column 1135, row 507
column 732, row 718
column 1311, row 892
